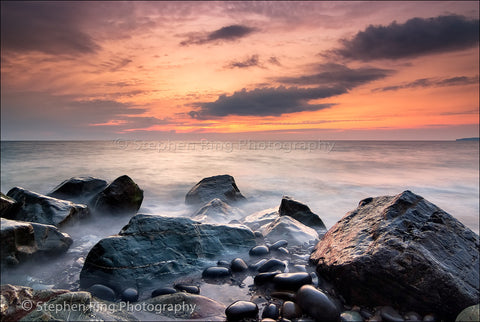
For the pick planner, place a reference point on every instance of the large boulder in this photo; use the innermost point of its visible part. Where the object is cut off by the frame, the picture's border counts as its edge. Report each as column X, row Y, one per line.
column 217, row 211
column 78, row 189
column 301, row 212
column 23, row 240
column 402, row 251
column 122, row 196
column 296, row 233
column 41, row 209
column 222, row 187
column 154, row 247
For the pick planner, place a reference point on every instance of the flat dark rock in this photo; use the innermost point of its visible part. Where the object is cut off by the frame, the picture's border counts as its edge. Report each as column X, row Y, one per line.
column 402, row 251
column 78, row 189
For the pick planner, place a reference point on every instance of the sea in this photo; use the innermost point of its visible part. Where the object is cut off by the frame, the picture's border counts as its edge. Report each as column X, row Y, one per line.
column 331, row 177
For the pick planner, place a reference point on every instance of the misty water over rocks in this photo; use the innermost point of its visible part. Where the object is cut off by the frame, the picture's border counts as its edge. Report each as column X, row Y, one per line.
column 330, row 181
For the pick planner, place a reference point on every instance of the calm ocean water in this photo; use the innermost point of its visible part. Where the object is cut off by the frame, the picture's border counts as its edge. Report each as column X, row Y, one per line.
column 329, row 176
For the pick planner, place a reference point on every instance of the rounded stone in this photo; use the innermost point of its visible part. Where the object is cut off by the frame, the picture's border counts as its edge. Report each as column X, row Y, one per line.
column 238, row 265
column 241, row 310
column 258, row 234
column 291, row 281
column 103, row 292
column 223, row 263
column 256, row 265
column 270, row 312
column 129, row 295
column 389, row 314
column 430, row 318
column 263, row 278
column 272, row 265
column 216, row 272
column 259, row 250
column 291, row 310
column 351, row 316
column 317, row 304
column 284, row 295
column 283, row 251
column 278, row 244
column 412, row 316
column 163, row 291
column 471, row 313
column 192, row 289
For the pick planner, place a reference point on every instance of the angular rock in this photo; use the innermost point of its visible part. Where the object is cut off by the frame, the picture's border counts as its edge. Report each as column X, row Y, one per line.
column 222, row 187
column 289, row 229
column 122, row 196
column 24, row 240
column 301, row 212
column 12, row 297
column 402, row 251
column 8, row 206
column 45, row 210
column 261, row 218
column 155, row 247
column 78, row 189
column 217, row 211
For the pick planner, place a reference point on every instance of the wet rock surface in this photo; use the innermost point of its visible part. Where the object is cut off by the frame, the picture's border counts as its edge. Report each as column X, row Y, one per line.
column 241, row 310
column 301, row 212
column 290, row 229
column 24, row 240
column 41, row 209
column 222, row 187
column 132, row 258
column 78, row 189
column 217, row 211
column 402, row 251
column 122, row 196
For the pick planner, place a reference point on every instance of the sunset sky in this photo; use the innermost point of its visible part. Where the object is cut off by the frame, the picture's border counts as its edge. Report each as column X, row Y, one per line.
column 245, row 69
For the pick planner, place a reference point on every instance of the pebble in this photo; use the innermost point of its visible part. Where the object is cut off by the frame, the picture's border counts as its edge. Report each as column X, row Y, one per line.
column 163, row 291
column 258, row 234
column 351, row 316
column 291, row 281
column 283, row 251
column 272, row 265
column 255, row 266
column 268, row 320
column 264, row 278
column 223, row 263
column 271, row 311
column 238, row 265
column 471, row 313
column 259, row 250
column 291, row 310
column 103, row 292
column 317, row 304
column 240, row 310
column 216, row 272
column 430, row 318
column 192, row 289
column 284, row 295
column 412, row 316
column 278, row 244
column 389, row 314
column 129, row 295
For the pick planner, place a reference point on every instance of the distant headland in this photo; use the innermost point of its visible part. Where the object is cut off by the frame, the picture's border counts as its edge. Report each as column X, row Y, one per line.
column 468, row 139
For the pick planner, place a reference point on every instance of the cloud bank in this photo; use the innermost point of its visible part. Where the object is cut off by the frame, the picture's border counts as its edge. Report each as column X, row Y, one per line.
column 228, row 33
column 416, row 37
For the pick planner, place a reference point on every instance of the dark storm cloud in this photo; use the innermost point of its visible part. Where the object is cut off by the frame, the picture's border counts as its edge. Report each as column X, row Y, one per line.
column 228, row 33
column 337, row 74
column 49, row 27
column 266, row 102
column 413, row 38
column 431, row 82
column 249, row 62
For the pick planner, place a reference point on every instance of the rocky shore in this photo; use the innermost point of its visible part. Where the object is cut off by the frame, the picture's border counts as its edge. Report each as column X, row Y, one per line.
column 393, row 258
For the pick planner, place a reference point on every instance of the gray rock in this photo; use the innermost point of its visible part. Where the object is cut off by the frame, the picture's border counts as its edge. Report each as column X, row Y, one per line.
column 350, row 316
column 24, row 240
column 122, row 196
column 279, row 244
column 261, row 218
column 78, row 189
column 217, row 211
column 152, row 248
column 389, row 314
column 45, row 210
column 404, row 251
column 317, row 304
column 289, row 229
column 222, row 187
column 291, row 310
column 301, row 212
column 470, row 314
